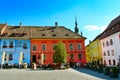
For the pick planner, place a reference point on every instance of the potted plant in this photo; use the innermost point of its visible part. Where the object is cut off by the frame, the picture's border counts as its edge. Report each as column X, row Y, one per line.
column 107, row 70
column 114, row 72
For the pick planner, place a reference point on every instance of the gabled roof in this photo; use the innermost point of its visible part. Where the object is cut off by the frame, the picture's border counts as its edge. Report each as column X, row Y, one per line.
column 40, row 32
column 112, row 28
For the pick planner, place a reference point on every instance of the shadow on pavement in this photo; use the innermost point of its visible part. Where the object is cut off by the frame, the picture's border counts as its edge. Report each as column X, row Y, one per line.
column 95, row 73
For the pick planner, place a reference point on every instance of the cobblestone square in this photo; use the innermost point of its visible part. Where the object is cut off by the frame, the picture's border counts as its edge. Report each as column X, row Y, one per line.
column 68, row 74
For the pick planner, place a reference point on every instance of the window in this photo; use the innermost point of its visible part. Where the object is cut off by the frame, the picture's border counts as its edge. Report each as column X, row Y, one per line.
column 54, row 35
column 79, row 46
column 112, row 52
column 107, row 43
column 104, row 54
column 71, row 46
column 11, row 44
column 44, row 57
column 38, row 56
column 104, row 62
column 111, row 42
column 108, row 52
column 25, row 45
column 34, row 48
column 109, row 62
column 119, row 37
column 10, row 56
column 4, row 44
column 71, row 56
column 66, row 34
column 114, row 62
column 43, row 47
column 103, row 44
column 79, row 56
column 19, row 44
column 53, row 46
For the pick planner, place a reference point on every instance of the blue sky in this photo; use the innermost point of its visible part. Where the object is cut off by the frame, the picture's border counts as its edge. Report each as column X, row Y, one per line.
column 93, row 16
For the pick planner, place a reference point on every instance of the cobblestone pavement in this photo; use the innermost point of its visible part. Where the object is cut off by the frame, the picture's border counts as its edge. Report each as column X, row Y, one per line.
column 68, row 74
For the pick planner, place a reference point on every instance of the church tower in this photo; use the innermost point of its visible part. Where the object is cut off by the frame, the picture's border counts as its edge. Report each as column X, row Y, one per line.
column 76, row 28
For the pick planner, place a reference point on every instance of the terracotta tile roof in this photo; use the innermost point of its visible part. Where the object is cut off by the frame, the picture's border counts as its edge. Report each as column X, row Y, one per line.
column 26, row 32
column 112, row 28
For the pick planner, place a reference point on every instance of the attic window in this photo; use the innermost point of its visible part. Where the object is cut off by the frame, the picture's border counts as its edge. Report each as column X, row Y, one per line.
column 52, row 30
column 54, row 35
column 23, row 34
column 43, row 34
column 5, row 35
column 66, row 34
column 16, row 35
column 112, row 28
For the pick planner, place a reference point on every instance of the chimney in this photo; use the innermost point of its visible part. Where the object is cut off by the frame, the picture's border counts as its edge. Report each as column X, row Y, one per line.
column 20, row 24
column 56, row 24
column 89, row 41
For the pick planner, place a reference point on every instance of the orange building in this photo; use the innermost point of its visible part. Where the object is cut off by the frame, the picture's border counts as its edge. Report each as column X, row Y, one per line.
column 43, row 39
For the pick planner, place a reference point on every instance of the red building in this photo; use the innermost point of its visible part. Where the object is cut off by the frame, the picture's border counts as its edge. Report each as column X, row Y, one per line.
column 43, row 39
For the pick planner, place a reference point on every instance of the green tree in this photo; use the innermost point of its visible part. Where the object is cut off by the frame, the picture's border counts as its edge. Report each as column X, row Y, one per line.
column 60, row 54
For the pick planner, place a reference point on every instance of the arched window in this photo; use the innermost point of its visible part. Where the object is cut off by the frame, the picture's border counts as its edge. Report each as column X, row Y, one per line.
column 114, row 62
column 109, row 62
column 111, row 42
column 108, row 52
column 107, row 43
column 103, row 44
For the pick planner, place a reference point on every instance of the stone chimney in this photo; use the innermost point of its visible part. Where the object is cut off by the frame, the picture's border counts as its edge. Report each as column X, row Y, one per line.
column 56, row 24
column 20, row 24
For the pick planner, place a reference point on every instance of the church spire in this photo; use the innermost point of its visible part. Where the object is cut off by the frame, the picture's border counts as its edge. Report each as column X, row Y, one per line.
column 75, row 22
column 76, row 28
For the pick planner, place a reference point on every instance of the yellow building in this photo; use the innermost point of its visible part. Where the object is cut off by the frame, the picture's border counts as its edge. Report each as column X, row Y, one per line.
column 93, row 51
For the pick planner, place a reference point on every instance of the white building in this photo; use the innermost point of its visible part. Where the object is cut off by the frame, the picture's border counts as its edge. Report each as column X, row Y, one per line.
column 110, row 43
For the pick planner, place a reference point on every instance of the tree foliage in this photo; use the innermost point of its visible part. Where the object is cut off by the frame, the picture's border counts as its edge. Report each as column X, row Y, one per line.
column 60, row 54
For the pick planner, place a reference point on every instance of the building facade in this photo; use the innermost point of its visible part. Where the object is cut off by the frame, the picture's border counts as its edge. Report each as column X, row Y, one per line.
column 44, row 41
column 12, row 48
column 74, row 47
column 34, row 41
column 93, row 52
column 110, row 43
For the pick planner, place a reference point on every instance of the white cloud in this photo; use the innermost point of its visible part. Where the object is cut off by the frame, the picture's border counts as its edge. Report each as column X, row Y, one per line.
column 94, row 28
column 102, row 28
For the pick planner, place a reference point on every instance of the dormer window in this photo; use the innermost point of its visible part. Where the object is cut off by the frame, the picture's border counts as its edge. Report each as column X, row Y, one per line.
column 24, row 34
column 54, row 35
column 4, row 35
column 112, row 28
column 52, row 30
column 66, row 34
column 16, row 35
column 43, row 34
